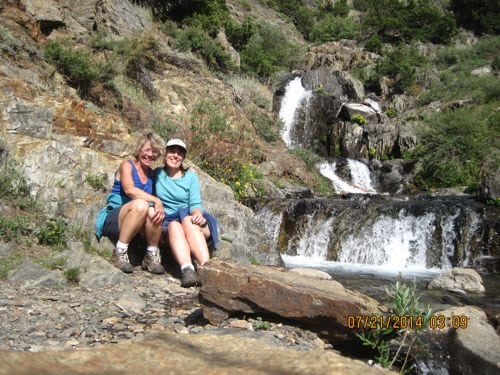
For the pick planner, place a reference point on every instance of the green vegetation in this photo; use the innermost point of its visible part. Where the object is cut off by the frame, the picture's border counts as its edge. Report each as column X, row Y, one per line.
column 480, row 16
column 461, row 145
column 389, row 341
column 401, row 65
column 13, row 228
column 333, row 28
column 269, row 51
column 308, row 156
column 266, row 126
column 14, row 188
column 359, row 119
column 405, row 21
column 53, row 233
column 96, row 182
column 197, row 40
column 79, row 67
column 223, row 151
column 8, row 264
column 458, row 147
column 261, row 325
column 72, row 274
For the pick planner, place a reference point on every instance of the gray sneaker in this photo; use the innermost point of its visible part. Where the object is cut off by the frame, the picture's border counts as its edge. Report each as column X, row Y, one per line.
column 152, row 263
column 120, row 260
column 189, row 278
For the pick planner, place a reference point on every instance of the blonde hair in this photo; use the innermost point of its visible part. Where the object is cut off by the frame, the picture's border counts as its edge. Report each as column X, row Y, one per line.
column 155, row 141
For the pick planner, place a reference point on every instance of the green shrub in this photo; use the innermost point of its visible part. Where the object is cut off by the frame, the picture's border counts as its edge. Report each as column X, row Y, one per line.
column 261, row 325
column 170, row 28
column 14, row 188
column 53, row 233
column 400, row 64
column 403, row 21
column 359, row 119
column 480, row 16
column 333, row 28
column 389, row 341
column 78, row 66
column 13, row 228
column 391, row 112
column 72, row 274
column 308, row 156
column 198, row 41
column 239, row 34
column 164, row 126
column 458, row 146
column 374, row 44
column 268, row 51
column 222, row 151
column 267, row 127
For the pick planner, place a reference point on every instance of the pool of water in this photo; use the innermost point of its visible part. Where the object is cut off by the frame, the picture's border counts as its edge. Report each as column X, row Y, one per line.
column 374, row 280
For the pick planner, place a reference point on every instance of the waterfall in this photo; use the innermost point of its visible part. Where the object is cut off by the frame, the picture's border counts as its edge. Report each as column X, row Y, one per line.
column 295, row 95
column 314, row 244
column 391, row 242
column 360, row 174
column 271, row 222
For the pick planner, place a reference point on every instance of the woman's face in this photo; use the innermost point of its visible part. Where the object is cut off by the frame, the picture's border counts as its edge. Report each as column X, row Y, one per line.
column 148, row 154
column 174, row 157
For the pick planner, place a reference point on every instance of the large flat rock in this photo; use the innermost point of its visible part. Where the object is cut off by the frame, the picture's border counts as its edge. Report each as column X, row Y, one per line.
column 184, row 354
column 229, row 288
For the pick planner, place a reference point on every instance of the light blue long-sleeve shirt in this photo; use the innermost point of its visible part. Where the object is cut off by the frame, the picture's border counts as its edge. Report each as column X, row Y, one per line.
column 179, row 192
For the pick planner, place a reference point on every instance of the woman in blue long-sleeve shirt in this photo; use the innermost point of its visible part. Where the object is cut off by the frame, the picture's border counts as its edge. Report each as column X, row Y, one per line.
column 187, row 225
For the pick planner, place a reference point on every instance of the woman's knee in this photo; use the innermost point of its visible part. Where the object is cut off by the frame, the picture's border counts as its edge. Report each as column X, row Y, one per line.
column 141, row 206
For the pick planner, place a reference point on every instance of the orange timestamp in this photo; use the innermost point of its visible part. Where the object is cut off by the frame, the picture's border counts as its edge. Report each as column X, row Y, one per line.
column 359, row 322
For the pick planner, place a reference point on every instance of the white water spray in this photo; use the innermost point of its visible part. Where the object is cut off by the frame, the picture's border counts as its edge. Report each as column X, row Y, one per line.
column 295, row 95
column 361, row 181
column 392, row 242
column 314, row 243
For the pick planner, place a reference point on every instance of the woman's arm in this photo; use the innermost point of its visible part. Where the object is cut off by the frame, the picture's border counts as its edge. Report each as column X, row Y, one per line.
column 195, row 206
column 133, row 192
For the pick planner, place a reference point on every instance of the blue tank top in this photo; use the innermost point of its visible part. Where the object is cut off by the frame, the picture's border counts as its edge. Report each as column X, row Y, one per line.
column 147, row 187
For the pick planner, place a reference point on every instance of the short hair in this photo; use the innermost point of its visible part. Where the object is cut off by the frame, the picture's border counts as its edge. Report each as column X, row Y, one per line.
column 155, row 141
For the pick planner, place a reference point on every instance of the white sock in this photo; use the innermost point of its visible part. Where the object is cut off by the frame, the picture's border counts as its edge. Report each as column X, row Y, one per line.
column 121, row 247
column 152, row 250
column 186, row 266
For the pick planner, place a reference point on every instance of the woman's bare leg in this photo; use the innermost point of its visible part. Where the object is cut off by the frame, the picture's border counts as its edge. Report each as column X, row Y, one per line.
column 178, row 243
column 196, row 240
column 131, row 219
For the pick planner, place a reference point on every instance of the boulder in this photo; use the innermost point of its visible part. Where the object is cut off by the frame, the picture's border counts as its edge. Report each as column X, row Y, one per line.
column 460, row 279
column 474, row 349
column 186, row 354
column 325, row 305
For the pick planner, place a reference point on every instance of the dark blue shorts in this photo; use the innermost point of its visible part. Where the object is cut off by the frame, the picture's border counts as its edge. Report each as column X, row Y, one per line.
column 111, row 228
column 176, row 216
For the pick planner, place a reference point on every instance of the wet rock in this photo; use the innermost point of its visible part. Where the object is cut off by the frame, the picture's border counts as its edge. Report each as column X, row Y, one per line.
column 461, row 279
column 311, row 272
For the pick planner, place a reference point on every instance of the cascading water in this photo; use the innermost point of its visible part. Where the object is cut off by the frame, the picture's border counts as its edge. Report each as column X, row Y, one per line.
column 388, row 242
column 295, row 96
column 361, row 181
column 394, row 243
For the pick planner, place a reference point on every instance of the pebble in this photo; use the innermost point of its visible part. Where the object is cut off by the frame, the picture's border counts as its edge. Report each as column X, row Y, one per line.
column 75, row 318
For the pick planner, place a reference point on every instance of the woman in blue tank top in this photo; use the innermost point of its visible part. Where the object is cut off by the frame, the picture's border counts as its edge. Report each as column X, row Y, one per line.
column 132, row 208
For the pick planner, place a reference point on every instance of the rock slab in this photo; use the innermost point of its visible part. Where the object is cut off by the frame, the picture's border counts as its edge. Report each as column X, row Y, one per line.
column 186, row 354
column 228, row 288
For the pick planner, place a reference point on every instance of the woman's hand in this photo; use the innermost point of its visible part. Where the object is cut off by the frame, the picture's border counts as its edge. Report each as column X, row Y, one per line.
column 197, row 217
column 159, row 214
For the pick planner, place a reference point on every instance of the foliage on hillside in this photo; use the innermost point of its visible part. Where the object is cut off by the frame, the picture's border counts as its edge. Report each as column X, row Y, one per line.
column 393, row 29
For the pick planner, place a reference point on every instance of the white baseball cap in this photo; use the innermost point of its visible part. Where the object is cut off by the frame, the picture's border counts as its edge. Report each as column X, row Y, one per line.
column 177, row 142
